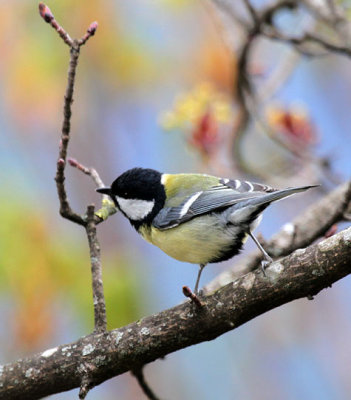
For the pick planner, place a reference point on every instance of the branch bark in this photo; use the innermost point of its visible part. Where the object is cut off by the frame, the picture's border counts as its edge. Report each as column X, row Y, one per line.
column 103, row 355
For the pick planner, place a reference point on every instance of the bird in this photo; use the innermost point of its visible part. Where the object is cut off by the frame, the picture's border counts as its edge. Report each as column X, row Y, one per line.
column 194, row 218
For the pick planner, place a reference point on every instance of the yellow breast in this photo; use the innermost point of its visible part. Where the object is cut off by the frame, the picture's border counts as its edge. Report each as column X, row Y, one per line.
column 192, row 242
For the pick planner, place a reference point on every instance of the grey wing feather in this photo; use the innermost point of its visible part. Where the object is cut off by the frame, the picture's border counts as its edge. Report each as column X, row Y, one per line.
column 205, row 202
column 216, row 199
column 220, row 197
column 246, row 186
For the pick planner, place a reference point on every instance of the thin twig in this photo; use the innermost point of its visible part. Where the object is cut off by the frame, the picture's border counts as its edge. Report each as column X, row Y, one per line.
column 65, row 209
column 90, row 32
column 48, row 17
column 96, row 272
column 262, row 25
column 87, row 171
column 45, row 12
column 324, row 12
column 306, row 38
column 139, row 375
column 108, row 207
column 251, row 11
column 243, row 85
column 228, row 8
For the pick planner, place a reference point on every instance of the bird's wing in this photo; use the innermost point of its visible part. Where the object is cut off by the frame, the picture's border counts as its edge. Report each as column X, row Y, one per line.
column 226, row 193
column 246, row 186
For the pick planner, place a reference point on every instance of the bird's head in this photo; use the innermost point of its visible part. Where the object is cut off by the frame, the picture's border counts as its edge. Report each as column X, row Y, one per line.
column 138, row 193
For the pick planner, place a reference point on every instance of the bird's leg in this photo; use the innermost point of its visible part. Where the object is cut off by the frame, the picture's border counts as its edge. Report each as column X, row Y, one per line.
column 267, row 259
column 201, row 267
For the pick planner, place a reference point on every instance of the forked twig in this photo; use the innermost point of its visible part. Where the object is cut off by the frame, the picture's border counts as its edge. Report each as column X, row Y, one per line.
column 65, row 209
column 108, row 207
column 45, row 12
column 91, row 219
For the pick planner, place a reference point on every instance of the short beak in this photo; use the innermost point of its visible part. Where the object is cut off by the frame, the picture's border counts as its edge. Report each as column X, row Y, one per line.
column 104, row 190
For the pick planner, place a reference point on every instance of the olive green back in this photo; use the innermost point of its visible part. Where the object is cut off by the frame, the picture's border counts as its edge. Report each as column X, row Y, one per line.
column 181, row 186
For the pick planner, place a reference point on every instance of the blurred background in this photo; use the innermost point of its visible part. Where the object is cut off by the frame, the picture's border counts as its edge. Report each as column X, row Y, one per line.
column 161, row 85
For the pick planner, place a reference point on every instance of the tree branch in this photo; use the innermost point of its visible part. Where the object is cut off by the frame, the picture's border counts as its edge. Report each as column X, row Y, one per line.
column 262, row 24
column 303, row 273
column 87, row 171
column 305, row 39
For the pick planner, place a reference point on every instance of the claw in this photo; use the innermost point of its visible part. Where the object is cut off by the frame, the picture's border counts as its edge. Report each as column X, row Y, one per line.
column 265, row 264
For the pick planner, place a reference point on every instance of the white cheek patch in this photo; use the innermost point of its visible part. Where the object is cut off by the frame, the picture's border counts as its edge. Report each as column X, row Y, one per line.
column 135, row 209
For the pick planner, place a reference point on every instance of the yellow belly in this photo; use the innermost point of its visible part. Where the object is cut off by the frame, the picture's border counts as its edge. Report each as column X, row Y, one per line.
column 197, row 241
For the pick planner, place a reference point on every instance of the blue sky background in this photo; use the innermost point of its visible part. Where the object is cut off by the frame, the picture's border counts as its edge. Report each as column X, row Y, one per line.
column 300, row 350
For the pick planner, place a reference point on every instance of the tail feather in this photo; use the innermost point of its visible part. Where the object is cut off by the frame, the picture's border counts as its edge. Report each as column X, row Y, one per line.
column 278, row 195
column 247, row 212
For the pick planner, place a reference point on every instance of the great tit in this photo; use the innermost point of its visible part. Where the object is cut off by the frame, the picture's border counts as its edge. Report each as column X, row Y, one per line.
column 194, row 218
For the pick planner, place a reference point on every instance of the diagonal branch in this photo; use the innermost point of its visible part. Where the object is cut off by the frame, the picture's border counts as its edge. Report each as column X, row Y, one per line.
column 304, row 273
column 305, row 39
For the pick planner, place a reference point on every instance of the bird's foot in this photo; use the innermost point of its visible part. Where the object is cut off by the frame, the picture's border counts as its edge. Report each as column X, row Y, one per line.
column 265, row 264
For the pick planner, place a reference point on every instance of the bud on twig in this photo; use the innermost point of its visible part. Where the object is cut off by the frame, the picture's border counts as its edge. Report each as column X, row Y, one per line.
column 90, row 32
column 45, row 13
column 92, row 28
column 193, row 297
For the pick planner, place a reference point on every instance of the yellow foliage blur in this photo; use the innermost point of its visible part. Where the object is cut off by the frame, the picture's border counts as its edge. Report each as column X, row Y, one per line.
column 189, row 107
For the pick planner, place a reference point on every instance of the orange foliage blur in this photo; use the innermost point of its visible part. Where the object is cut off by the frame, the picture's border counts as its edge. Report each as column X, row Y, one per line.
column 293, row 123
